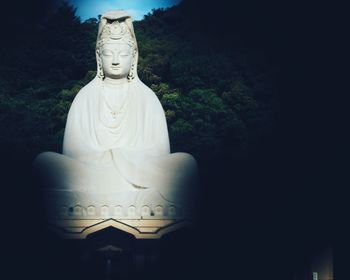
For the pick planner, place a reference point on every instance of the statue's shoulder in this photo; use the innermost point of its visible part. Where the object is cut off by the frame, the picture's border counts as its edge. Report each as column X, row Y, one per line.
column 86, row 92
column 148, row 93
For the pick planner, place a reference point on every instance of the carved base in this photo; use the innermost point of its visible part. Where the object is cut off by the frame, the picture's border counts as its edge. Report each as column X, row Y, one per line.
column 152, row 228
column 145, row 215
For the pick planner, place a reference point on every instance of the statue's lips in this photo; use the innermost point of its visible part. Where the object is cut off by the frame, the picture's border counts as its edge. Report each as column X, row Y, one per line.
column 116, row 68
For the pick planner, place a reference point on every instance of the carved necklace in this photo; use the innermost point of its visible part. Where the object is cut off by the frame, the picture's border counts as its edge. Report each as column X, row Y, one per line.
column 114, row 110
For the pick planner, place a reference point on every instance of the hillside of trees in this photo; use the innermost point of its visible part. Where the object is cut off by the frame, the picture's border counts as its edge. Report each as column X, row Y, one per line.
column 220, row 74
column 219, row 99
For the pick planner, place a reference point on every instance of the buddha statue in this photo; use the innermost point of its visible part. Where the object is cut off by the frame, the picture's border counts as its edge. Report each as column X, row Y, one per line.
column 116, row 147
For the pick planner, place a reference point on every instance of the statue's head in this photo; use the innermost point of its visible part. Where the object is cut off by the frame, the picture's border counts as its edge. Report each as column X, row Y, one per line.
column 116, row 47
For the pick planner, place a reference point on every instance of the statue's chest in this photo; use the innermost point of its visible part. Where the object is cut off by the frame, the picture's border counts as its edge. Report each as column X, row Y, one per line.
column 113, row 108
column 119, row 122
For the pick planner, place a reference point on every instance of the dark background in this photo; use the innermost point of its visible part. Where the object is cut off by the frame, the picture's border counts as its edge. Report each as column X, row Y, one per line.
column 263, row 213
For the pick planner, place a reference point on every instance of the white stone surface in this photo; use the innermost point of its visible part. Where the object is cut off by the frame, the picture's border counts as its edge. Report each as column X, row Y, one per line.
column 116, row 151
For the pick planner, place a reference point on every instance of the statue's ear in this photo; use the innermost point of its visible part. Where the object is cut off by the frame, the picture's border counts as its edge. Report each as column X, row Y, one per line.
column 99, row 64
column 98, row 57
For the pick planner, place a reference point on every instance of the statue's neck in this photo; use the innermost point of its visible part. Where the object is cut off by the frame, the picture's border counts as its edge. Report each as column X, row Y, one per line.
column 113, row 86
column 115, row 82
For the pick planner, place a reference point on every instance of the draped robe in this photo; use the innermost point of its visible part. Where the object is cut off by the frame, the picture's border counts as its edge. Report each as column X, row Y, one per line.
column 126, row 158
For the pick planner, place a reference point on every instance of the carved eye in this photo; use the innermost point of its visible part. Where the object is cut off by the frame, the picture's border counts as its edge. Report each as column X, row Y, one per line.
column 107, row 53
column 124, row 54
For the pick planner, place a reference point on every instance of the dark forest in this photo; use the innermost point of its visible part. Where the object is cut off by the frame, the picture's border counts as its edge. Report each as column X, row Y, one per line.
column 237, row 92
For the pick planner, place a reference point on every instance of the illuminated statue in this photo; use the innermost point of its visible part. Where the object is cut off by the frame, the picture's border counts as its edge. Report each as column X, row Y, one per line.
column 116, row 146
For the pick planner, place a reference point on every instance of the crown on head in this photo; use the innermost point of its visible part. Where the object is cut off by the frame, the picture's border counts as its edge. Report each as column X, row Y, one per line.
column 115, row 32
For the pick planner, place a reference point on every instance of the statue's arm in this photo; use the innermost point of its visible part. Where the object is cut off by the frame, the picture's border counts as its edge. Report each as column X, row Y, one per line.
column 72, row 142
column 160, row 129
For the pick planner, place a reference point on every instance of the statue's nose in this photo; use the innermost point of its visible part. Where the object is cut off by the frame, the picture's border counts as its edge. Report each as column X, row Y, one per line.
column 115, row 60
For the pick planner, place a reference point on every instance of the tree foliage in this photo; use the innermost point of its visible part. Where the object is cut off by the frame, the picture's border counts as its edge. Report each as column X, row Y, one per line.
column 215, row 100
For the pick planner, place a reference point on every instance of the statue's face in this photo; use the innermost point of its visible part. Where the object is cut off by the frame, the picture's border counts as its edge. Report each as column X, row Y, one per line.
column 116, row 60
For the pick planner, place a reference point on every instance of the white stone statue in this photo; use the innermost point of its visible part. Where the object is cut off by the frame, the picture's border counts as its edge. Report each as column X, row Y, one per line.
column 116, row 148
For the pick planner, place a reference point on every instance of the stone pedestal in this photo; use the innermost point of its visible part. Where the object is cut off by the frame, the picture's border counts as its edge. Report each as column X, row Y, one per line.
column 150, row 228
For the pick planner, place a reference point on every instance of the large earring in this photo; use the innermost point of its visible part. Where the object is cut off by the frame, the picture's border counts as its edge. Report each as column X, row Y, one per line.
column 131, row 75
column 100, row 73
